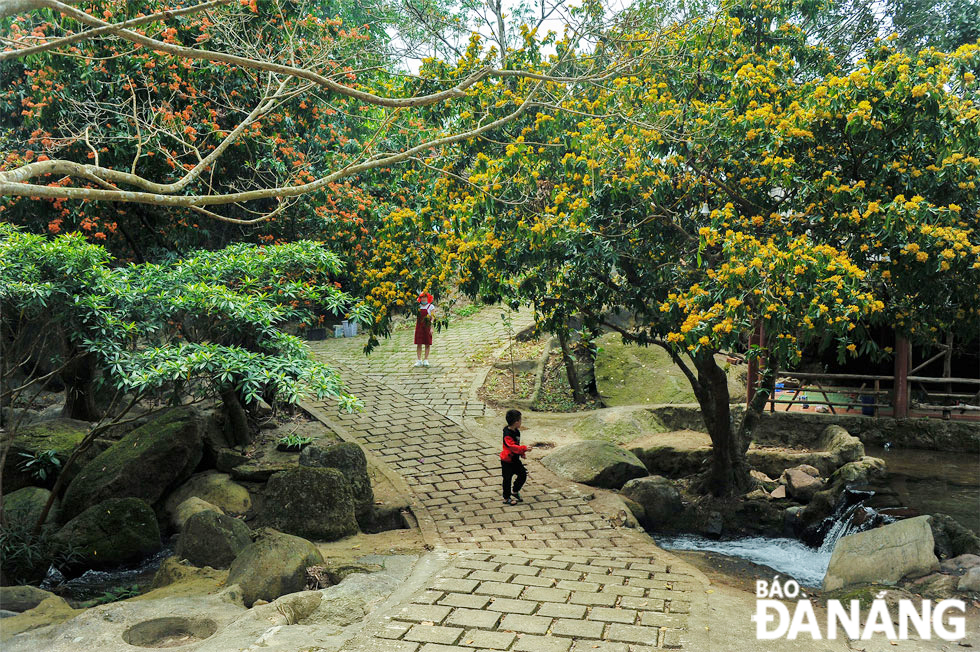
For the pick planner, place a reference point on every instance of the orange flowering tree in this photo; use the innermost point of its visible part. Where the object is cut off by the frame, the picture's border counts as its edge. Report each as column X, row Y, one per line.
column 151, row 127
column 743, row 177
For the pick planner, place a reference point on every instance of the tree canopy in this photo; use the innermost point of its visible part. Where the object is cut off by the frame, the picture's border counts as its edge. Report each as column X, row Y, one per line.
column 702, row 169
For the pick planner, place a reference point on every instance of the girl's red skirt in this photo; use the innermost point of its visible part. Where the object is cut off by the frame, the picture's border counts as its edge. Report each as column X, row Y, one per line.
column 423, row 331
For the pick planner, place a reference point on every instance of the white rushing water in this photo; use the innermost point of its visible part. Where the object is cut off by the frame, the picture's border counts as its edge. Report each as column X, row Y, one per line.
column 788, row 557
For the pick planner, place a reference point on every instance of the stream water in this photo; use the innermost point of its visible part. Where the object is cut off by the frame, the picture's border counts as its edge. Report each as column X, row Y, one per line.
column 789, row 557
column 935, row 482
column 928, row 481
column 95, row 584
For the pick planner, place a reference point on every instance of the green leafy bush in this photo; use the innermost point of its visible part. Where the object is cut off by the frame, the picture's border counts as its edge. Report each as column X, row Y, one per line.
column 200, row 326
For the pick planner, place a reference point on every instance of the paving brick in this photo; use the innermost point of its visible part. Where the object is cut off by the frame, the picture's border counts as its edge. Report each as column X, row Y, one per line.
column 465, row 600
column 455, row 585
column 499, row 589
column 557, row 610
column 606, row 614
column 420, row 613
column 600, row 646
column 650, row 604
column 490, row 640
column 427, row 597
column 474, row 618
column 376, row 645
column 393, row 629
column 530, row 643
column 559, row 574
column 525, row 624
column 546, row 594
column 489, row 576
column 506, row 605
column 572, row 585
column 597, row 599
column 436, row 647
column 633, row 634
column 635, row 591
column 577, row 628
column 531, row 580
column 433, row 634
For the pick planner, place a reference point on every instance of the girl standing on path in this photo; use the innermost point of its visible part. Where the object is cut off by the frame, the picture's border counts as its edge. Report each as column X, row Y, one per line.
column 423, row 329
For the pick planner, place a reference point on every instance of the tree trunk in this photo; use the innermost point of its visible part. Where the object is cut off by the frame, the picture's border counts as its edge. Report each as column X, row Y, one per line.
column 79, row 377
column 729, row 472
column 236, row 420
column 566, row 355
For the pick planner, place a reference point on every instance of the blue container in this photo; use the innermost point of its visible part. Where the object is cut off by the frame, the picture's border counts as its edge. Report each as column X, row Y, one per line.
column 868, row 409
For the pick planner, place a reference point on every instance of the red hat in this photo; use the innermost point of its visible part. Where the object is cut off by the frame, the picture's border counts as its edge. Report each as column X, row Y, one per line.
column 426, row 296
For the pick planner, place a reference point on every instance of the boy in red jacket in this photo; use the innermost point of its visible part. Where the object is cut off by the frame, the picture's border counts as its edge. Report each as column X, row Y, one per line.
column 510, row 459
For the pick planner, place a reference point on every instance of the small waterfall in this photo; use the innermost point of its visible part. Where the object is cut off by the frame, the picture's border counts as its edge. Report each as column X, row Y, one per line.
column 805, row 561
column 843, row 526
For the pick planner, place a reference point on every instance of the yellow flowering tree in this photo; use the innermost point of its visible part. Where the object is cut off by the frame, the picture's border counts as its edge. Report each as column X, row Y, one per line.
column 740, row 177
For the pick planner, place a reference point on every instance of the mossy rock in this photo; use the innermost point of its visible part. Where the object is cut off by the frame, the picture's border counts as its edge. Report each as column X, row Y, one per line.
column 59, row 435
column 113, row 532
column 273, row 566
column 51, row 611
column 24, row 506
column 349, row 459
column 213, row 539
column 595, row 463
column 215, row 488
column 147, row 463
column 311, row 502
column 22, row 598
column 174, row 570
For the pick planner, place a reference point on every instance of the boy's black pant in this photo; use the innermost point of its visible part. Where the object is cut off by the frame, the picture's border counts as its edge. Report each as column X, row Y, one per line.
column 513, row 470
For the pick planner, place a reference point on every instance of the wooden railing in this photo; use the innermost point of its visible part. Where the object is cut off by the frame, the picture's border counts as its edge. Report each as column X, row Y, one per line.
column 871, row 385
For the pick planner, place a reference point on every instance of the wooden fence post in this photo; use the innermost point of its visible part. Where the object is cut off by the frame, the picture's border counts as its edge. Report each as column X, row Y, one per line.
column 902, row 358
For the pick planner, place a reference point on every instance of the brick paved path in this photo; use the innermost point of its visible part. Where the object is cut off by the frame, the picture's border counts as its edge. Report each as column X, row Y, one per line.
column 562, row 574
column 526, row 601
column 445, row 386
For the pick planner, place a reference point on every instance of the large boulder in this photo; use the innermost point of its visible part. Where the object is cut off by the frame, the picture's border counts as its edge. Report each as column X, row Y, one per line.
column 952, row 538
column 212, row 487
column 310, row 502
column 595, row 463
column 349, row 459
column 273, row 566
column 883, row 555
column 22, row 598
column 657, row 496
column 147, row 463
column 113, row 532
column 213, row 539
column 188, row 508
column 24, row 506
column 59, row 435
